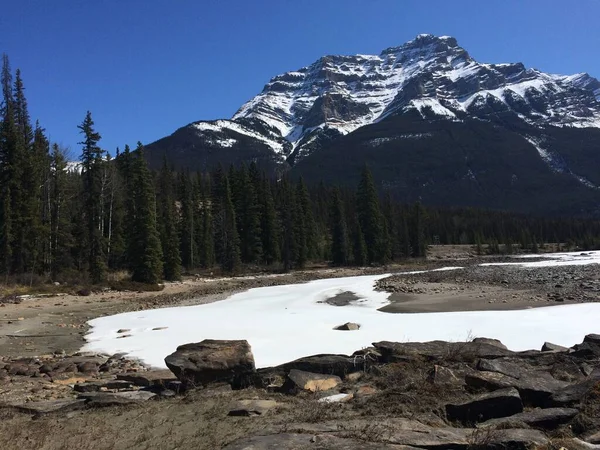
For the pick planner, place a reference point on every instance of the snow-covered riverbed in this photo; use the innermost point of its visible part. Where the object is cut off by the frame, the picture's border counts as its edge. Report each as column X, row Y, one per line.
column 283, row 323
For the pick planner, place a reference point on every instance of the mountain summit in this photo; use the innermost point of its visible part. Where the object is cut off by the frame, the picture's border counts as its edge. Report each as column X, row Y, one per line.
column 305, row 114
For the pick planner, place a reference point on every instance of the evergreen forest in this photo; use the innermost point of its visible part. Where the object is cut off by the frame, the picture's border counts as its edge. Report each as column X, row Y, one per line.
column 81, row 220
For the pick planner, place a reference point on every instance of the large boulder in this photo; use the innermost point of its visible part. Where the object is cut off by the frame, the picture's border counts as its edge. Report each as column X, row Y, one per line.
column 209, row 361
column 573, row 393
column 500, row 403
column 295, row 441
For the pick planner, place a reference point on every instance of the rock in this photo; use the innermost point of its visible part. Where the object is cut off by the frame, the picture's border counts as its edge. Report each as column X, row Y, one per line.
column 592, row 339
column 339, row 365
column 436, row 350
column 594, row 438
column 21, row 369
column 353, row 377
column 535, row 388
column 494, row 342
column 51, row 406
column 123, row 330
column 550, row 347
column 572, row 394
column 348, row 326
column 585, row 350
column 441, row 375
column 295, row 441
column 205, row 362
column 336, row 398
column 504, row 366
column 96, row 386
column 116, row 398
column 548, row 418
column 307, row 381
column 365, row 391
column 251, row 407
column 149, row 378
column 500, row 403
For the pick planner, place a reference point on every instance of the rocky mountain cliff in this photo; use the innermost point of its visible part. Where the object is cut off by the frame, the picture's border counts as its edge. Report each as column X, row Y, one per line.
column 406, row 110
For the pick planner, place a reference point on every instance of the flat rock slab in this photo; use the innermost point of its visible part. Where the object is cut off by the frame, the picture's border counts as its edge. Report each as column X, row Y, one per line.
column 50, row 406
column 308, row 381
column 149, row 378
column 339, row 365
column 294, row 441
column 535, row 388
column 572, row 393
column 548, row 418
column 116, row 398
column 550, row 347
column 500, row 403
column 436, row 350
column 348, row 326
column 251, row 407
column 96, row 386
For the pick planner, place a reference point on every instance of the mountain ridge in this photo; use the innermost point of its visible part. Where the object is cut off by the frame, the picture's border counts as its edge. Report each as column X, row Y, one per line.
column 307, row 112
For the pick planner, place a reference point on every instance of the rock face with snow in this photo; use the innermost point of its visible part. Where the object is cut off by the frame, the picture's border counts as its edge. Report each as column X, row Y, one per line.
column 341, row 111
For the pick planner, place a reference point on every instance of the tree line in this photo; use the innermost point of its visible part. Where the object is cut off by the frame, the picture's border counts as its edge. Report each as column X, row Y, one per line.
column 64, row 221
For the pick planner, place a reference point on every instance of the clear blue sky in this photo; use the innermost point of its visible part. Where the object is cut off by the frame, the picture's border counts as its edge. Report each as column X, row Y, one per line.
column 146, row 67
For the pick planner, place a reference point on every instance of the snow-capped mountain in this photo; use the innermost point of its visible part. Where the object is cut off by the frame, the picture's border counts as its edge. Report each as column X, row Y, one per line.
column 302, row 116
column 429, row 74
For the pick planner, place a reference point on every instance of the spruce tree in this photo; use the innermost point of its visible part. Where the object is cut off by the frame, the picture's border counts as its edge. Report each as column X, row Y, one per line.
column 224, row 223
column 167, row 224
column 370, row 218
column 147, row 266
column 187, row 228
column 268, row 226
column 289, row 227
column 305, row 207
column 92, row 160
column 339, row 231
column 359, row 250
column 247, row 212
column 61, row 239
column 418, row 231
column 8, row 170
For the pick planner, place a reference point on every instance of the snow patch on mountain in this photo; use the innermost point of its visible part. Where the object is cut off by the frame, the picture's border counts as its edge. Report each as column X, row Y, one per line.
column 218, row 127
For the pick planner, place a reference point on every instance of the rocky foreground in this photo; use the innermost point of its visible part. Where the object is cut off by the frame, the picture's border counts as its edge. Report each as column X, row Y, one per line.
column 433, row 395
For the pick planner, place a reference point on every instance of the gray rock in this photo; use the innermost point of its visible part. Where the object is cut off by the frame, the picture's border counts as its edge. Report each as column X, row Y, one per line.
column 441, row 375
column 494, row 342
column 592, row 339
column 550, row 347
column 500, row 403
column 96, row 386
column 548, row 418
column 208, row 361
column 339, row 365
column 51, row 406
column 572, row 394
column 295, row 441
column 436, row 350
column 299, row 380
column 149, row 378
column 348, row 326
column 251, row 407
column 116, row 398
column 535, row 388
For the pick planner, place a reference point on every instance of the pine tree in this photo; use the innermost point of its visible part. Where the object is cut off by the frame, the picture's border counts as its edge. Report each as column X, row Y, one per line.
column 224, row 224
column 92, row 171
column 268, row 226
column 207, row 245
column 61, row 239
column 359, row 249
column 247, row 211
column 167, row 224
column 187, row 228
column 147, row 266
column 289, row 227
column 339, row 231
column 370, row 218
column 8, row 170
column 418, row 231
column 305, row 206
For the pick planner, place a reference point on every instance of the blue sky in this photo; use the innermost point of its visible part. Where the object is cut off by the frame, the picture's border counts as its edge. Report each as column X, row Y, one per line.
column 146, row 67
